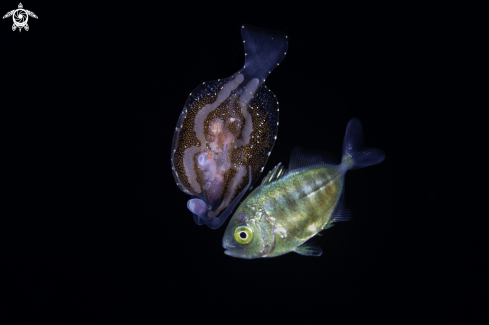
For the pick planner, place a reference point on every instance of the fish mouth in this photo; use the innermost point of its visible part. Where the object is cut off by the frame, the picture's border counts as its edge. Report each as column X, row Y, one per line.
column 228, row 252
column 232, row 248
column 233, row 253
column 227, row 248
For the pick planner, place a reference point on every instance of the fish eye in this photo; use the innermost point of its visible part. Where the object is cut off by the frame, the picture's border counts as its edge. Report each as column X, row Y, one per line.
column 243, row 234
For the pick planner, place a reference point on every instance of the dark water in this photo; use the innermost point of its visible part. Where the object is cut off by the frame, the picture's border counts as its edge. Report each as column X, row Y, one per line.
column 93, row 219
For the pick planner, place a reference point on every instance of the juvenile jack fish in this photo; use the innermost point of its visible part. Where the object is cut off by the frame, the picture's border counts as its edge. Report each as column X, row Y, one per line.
column 227, row 130
column 290, row 207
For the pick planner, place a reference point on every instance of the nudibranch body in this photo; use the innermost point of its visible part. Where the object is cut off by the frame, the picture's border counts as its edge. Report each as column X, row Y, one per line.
column 227, row 130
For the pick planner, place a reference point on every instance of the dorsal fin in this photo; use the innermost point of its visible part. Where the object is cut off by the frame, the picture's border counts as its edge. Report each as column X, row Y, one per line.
column 302, row 157
column 277, row 172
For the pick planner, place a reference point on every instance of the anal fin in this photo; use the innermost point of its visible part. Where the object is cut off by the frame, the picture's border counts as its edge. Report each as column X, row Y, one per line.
column 329, row 224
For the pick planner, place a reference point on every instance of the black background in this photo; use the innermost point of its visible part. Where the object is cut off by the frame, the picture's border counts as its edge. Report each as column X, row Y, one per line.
column 90, row 98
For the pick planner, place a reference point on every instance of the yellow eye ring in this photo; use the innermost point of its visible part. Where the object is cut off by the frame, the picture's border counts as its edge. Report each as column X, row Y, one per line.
column 243, row 234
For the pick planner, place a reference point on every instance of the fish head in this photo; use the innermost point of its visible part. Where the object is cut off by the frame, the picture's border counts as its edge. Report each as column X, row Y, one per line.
column 249, row 234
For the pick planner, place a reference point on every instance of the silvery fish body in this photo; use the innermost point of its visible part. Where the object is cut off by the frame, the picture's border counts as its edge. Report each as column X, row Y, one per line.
column 227, row 130
column 291, row 207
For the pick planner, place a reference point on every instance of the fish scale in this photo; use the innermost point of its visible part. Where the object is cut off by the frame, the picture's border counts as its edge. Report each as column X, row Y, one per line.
column 295, row 208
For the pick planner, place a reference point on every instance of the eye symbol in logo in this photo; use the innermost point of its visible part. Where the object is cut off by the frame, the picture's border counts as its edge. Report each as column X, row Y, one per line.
column 20, row 17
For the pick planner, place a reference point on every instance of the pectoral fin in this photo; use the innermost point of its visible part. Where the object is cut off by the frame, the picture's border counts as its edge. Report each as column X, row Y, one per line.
column 309, row 249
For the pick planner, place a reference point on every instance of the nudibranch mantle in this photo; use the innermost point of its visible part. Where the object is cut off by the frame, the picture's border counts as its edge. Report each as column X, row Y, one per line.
column 227, row 130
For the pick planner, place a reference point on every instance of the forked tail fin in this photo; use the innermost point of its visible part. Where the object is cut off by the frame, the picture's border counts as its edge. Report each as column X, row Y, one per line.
column 355, row 155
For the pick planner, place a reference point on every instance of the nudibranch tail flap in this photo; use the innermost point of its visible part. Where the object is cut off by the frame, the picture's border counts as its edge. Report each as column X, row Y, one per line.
column 264, row 51
column 227, row 130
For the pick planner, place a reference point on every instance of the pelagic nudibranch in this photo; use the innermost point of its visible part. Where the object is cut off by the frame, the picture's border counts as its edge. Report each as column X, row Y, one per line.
column 227, row 130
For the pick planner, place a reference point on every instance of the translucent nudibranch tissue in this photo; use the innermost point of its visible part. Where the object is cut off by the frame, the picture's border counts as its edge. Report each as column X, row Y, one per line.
column 227, row 130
